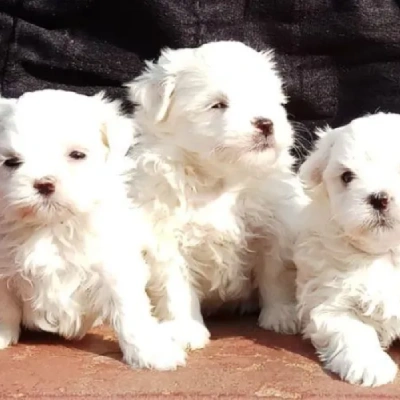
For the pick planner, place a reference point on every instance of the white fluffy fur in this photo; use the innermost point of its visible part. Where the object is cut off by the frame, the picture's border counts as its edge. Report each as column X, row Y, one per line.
column 68, row 259
column 220, row 198
column 348, row 254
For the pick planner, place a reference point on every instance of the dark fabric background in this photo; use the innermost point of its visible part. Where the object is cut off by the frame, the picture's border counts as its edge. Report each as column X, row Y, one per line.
column 340, row 58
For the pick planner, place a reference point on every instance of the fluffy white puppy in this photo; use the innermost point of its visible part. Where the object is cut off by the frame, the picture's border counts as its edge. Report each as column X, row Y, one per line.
column 348, row 255
column 213, row 178
column 66, row 226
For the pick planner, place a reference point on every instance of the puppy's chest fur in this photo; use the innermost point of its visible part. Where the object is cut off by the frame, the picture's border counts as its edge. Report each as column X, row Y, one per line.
column 371, row 291
column 216, row 243
column 218, row 239
column 55, row 277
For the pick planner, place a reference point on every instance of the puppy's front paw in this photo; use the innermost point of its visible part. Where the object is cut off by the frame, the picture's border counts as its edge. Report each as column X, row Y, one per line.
column 373, row 368
column 8, row 336
column 155, row 351
column 281, row 318
column 189, row 334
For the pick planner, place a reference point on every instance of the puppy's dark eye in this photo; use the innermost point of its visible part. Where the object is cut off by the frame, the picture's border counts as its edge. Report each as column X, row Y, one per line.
column 13, row 162
column 347, row 177
column 77, row 155
column 220, row 106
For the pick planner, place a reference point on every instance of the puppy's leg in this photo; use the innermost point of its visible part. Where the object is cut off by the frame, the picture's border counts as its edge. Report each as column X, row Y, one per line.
column 182, row 305
column 350, row 348
column 277, row 292
column 144, row 343
column 10, row 317
column 276, row 271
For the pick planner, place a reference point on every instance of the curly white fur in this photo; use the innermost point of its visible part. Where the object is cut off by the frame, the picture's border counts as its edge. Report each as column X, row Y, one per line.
column 219, row 196
column 66, row 253
column 348, row 254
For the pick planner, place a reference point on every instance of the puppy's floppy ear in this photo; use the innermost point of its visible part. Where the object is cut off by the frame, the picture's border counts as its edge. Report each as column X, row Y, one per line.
column 312, row 169
column 7, row 103
column 117, row 130
column 6, row 108
column 269, row 57
column 153, row 89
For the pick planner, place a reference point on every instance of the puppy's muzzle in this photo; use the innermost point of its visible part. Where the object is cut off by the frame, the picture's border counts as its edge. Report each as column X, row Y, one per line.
column 45, row 186
column 379, row 201
column 264, row 126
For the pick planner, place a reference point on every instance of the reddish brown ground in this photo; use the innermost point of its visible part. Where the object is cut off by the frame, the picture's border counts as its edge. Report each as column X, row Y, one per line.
column 241, row 362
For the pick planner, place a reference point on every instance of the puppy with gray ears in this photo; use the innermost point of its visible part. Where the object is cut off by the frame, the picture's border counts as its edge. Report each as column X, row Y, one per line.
column 348, row 252
column 68, row 243
column 213, row 180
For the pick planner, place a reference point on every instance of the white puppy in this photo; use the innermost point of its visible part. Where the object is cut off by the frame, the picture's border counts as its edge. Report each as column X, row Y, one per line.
column 348, row 254
column 213, row 177
column 66, row 226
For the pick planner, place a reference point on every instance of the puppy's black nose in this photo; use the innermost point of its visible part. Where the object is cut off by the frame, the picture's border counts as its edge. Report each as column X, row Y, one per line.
column 265, row 126
column 379, row 201
column 44, row 187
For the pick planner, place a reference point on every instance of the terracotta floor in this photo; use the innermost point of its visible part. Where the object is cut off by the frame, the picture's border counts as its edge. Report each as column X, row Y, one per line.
column 241, row 362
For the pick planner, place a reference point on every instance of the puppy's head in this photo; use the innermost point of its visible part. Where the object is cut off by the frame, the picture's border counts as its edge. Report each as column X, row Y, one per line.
column 358, row 168
column 222, row 100
column 58, row 150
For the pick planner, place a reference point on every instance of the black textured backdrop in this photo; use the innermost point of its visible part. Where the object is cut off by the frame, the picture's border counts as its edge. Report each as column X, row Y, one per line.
column 340, row 58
